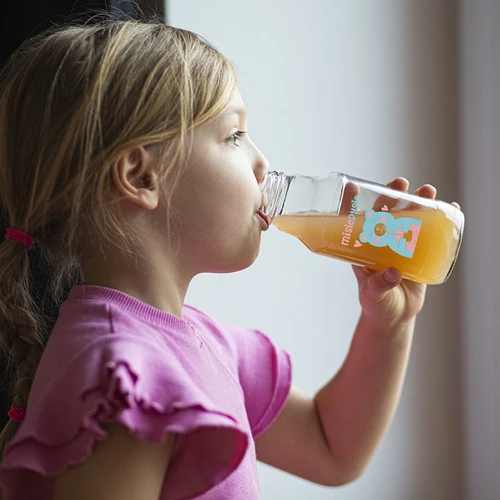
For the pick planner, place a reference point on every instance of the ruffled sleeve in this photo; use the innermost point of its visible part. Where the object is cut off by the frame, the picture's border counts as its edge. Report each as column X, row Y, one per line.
column 265, row 375
column 129, row 381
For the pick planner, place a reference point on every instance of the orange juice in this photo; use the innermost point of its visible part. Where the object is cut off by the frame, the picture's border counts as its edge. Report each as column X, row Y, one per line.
column 421, row 244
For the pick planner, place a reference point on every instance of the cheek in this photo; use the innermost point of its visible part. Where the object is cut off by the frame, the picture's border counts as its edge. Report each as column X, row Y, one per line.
column 232, row 196
column 218, row 196
column 214, row 216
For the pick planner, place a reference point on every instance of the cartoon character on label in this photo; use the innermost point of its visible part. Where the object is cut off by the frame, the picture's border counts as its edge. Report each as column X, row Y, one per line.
column 382, row 229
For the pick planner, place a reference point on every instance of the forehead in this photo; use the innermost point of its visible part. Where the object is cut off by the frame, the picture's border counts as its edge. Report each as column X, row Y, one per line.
column 235, row 106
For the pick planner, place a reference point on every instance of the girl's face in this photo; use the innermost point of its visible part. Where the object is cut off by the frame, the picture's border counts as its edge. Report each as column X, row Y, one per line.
column 218, row 195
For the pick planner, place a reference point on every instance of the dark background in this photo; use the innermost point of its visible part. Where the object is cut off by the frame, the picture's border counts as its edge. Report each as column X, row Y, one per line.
column 21, row 20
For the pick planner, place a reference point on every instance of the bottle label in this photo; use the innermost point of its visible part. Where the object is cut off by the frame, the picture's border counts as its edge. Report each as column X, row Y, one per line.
column 382, row 229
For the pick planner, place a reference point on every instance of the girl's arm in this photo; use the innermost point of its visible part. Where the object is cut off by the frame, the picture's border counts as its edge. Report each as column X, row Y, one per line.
column 120, row 466
column 329, row 439
column 358, row 404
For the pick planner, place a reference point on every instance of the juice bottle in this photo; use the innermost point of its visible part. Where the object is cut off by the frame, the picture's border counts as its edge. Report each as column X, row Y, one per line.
column 366, row 223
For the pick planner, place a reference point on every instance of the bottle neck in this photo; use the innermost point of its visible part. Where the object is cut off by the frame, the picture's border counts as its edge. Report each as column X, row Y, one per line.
column 301, row 194
column 275, row 188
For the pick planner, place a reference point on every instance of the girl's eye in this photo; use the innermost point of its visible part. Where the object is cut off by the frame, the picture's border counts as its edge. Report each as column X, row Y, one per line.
column 235, row 137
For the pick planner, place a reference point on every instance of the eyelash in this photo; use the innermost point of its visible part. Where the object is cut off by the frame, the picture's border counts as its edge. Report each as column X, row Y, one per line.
column 237, row 135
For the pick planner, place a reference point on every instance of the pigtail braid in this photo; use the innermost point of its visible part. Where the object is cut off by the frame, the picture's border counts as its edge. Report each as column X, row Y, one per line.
column 20, row 335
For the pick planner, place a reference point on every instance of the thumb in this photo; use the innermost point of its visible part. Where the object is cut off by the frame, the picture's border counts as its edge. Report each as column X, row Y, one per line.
column 381, row 282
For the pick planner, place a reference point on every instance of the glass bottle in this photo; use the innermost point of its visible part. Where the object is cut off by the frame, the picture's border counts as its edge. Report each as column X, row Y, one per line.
column 366, row 223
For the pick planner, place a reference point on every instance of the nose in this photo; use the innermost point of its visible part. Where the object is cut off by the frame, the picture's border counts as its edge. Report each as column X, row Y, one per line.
column 263, row 171
column 261, row 167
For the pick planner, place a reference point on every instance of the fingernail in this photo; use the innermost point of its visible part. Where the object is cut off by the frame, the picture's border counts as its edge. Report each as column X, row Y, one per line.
column 390, row 276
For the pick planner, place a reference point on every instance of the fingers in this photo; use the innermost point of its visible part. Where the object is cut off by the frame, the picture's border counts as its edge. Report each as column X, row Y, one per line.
column 373, row 285
column 398, row 184
column 361, row 272
column 426, row 191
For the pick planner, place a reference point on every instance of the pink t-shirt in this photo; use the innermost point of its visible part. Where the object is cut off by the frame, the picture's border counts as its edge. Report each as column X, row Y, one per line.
column 111, row 357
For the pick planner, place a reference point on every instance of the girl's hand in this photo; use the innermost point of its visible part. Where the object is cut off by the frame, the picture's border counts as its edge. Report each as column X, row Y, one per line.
column 387, row 299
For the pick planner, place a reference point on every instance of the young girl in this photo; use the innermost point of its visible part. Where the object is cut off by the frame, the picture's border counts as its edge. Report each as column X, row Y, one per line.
column 125, row 162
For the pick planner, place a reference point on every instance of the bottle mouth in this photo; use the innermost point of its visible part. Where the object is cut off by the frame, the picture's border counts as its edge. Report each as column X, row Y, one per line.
column 274, row 189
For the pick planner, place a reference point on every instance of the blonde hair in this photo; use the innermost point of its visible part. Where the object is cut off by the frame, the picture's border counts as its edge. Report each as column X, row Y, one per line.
column 71, row 100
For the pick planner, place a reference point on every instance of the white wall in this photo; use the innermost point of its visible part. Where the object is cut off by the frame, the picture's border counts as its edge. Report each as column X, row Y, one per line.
column 480, row 297
column 368, row 87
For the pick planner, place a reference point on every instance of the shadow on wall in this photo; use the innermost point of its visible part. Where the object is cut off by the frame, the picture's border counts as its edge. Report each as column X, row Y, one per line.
column 434, row 110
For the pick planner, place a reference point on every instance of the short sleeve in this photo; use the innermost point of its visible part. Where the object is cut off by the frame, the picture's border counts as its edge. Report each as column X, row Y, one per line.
column 265, row 373
column 128, row 381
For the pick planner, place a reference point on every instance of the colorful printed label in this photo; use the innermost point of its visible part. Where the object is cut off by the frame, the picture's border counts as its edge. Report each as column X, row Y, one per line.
column 382, row 229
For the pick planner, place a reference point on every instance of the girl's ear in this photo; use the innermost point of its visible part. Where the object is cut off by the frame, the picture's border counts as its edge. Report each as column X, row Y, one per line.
column 135, row 178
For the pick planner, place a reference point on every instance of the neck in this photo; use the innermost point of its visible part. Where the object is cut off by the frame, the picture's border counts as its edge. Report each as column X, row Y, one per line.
column 159, row 284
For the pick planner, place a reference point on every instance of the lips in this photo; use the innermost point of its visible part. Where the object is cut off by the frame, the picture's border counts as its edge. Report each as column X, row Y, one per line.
column 264, row 218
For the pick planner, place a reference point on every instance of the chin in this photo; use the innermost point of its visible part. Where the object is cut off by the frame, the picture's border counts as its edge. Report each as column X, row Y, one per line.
column 240, row 262
column 240, row 265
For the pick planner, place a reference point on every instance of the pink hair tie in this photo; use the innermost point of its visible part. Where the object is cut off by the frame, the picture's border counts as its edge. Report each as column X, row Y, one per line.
column 21, row 236
column 16, row 413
